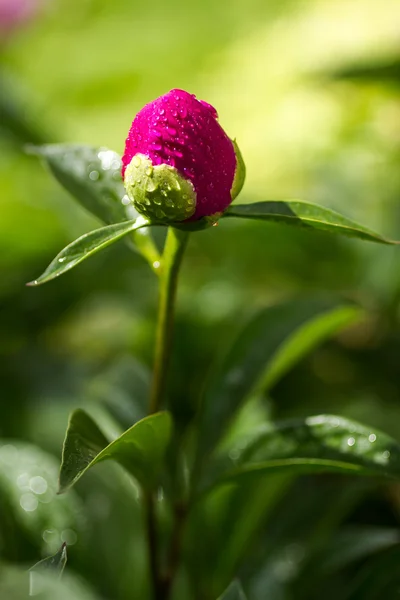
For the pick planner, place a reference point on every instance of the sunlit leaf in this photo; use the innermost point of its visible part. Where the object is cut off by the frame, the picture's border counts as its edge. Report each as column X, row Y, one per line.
column 86, row 246
column 234, row 592
column 140, row 449
column 305, row 214
column 91, row 175
column 272, row 341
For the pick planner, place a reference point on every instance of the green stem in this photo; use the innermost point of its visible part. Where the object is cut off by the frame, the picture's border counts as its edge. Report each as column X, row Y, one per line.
column 171, row 260
column 174, row 248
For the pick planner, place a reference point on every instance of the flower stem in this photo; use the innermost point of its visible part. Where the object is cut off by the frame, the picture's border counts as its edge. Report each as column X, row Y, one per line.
column 174, row 248
column 171, row 260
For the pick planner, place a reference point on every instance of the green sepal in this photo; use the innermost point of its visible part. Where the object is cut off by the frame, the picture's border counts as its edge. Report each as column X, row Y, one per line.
column 159, row 192
column 240, row 172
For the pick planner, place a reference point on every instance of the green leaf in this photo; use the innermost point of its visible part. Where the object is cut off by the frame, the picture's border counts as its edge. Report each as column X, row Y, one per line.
column 266, row 348
column 234, row 592
column 304, row 339
column 324, row 443
column 381, row 71
column 140, row 449
column 305, row 214
column 55, row 564
column 92, row 176
column 353, row 544
column 86, row 246
column 123, row 388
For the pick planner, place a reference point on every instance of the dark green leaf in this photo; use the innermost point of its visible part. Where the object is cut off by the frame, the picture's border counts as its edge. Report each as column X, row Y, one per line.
column 55, row 564
column 353, row 544
column 385, row 71
column 305, row 214
column 123, row 387
column 317, row 444
column 140, row 449
column 304, row 339
column 266, row 348
column 86, row 246
column 234, row 592
column 92, row 176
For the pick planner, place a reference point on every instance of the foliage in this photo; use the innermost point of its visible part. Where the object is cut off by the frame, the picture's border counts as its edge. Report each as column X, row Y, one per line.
column 263, row 500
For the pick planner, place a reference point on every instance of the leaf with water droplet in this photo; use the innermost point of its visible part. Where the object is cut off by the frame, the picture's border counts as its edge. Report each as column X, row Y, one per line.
column 86, row 246
column 140, row 449
column 306, row 215
column 91, row 175
column 323, row 443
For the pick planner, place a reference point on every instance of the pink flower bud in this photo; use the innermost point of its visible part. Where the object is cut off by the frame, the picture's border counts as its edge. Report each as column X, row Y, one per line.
column 178, row 161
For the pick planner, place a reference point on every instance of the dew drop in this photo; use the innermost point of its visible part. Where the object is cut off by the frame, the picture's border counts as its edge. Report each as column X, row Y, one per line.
column 61, row 260
column 38, row 485
column 151, row 186
column 351, row 441
column 136, row 161
column 28, row 502
column 372, row 437
column 94, row 175
column 69, row 537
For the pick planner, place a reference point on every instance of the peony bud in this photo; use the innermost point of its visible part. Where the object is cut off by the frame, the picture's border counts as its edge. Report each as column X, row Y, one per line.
column 178, row 162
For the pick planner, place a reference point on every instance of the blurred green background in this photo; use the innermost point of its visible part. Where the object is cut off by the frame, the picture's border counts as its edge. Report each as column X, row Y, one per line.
column 310, row 89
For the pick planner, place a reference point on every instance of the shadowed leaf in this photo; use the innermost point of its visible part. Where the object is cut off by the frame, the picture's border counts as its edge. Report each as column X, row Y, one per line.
column 272, row 341
column 234, row 592
column 140, row 449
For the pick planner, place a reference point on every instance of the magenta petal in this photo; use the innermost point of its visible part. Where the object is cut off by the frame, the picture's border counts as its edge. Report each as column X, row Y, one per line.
column 181, row 131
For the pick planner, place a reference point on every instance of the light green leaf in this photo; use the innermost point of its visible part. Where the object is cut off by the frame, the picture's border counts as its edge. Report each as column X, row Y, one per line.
column 234, row 592
column 86, row 246
column 140, row 449
column 272, row 341
column 55, row 564
column 305, row 214
column 91, row 175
